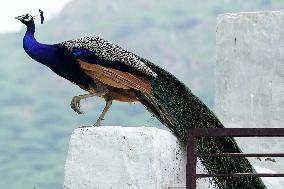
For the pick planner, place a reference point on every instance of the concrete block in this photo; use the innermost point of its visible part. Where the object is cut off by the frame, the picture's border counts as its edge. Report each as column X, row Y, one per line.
column 250, row 78
column 124, row 158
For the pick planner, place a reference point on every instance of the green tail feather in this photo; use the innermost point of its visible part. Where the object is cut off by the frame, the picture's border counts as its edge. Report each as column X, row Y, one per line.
column 176, row 107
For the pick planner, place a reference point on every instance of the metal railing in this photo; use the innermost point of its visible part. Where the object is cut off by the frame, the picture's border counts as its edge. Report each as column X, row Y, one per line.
column 193, row 134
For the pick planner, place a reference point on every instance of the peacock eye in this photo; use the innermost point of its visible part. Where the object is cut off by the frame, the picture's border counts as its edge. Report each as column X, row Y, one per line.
column 27, row 18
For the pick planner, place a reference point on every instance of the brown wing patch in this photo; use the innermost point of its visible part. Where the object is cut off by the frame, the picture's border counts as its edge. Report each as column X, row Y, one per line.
column 115, row 78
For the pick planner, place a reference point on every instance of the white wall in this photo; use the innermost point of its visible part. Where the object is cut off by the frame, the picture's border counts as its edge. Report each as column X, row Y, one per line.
column 250, row 78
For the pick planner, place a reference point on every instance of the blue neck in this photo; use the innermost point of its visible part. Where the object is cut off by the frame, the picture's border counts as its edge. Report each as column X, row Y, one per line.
column 42, row 53
column 55, row 58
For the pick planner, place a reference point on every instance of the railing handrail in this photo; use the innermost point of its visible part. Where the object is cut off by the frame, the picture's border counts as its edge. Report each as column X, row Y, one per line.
column 195, row 133
column 241, row 155
column 236, row 132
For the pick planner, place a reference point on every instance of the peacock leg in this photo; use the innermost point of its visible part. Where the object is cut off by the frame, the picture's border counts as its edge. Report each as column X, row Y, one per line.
column 106, row 108
column 75, row 102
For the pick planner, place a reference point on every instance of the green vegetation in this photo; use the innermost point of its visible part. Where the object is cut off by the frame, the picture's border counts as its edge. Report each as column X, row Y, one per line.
column 35, row 118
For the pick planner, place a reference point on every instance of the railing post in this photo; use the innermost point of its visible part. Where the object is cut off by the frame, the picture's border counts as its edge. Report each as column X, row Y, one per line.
column 191, row 162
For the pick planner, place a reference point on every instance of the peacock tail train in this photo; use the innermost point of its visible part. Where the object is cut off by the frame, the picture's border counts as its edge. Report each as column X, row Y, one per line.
column 176, row 107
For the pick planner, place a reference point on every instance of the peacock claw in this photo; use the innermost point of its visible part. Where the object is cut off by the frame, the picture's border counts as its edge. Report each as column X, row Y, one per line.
column 98, row 123
column 75, row 104
column 84, row 126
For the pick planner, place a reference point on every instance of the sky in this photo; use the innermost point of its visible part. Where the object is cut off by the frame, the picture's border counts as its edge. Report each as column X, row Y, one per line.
column 12, row 8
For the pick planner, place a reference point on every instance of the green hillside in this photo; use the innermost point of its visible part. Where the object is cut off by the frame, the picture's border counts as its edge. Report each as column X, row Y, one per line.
column 35, row 118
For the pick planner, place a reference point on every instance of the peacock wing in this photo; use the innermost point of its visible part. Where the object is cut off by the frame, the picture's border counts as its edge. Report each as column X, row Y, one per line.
column 115, row 78
column 97, row 51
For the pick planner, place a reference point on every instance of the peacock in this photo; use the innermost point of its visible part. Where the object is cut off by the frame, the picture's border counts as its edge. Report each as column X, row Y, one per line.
column 108, row 71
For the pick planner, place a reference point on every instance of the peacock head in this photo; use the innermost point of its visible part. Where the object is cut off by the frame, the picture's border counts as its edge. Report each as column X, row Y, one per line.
column 26, row 19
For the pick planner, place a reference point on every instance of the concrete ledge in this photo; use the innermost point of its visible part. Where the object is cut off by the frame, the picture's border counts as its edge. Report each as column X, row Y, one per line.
column 124, row 157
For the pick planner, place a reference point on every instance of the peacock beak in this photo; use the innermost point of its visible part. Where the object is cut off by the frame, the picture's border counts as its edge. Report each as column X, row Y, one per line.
column 20, row 17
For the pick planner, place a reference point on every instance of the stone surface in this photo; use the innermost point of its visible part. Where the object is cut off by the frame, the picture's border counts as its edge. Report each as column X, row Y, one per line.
column 250, row 78
column 124, row 157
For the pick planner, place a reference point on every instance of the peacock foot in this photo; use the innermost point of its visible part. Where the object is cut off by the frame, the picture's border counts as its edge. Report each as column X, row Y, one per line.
column 106, row 108
column 75, row 104
column 98, row 123
column 85, row 126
